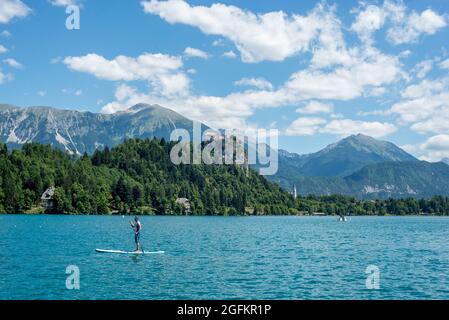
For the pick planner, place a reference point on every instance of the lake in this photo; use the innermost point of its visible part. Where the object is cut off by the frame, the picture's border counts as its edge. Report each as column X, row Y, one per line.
column 225, row 257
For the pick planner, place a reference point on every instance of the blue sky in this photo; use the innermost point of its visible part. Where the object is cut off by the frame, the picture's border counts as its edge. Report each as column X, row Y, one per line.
column 316, row 71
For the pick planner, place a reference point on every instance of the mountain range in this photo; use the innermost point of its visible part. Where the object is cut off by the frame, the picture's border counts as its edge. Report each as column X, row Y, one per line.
column 77, row 132
column 358, row 165
column 363, row 167
column 344, row 157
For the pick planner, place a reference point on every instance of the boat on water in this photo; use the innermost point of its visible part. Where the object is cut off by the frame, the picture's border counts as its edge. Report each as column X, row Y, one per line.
column 343, row 219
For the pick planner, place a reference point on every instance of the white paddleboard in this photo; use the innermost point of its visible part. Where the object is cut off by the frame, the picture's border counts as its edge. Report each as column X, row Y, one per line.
column 128, row 252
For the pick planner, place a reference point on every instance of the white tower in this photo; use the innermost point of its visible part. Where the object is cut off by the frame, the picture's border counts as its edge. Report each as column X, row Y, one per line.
column 294, row 191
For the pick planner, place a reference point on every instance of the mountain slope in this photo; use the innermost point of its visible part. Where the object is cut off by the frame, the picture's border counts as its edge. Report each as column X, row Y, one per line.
column 322, row 172
column 400, row 179
column 363, row 167
column 410, row 179
column 349, row 155
column 78, row 132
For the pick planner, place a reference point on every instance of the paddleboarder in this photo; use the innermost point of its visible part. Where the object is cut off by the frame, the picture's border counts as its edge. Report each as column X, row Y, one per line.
column 137, row 226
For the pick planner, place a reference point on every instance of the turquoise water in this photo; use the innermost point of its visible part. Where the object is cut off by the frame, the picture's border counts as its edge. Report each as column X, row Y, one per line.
column 225, row 257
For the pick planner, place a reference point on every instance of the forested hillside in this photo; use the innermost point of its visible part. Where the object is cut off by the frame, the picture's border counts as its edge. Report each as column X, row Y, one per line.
column 137, row 176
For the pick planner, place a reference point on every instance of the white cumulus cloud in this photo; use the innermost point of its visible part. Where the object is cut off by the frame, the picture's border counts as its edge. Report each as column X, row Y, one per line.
column 365, row 70
column 346, row 127
column 271, row 36
column 305, row 126
column 368, row 21
column 445, row 64
column 409, row 29
column 64, row 3
column 402, row 25
column 314, row 107
column 124, row 68
column 434, row 149
column 10, row 9
column 230, row 54
column 425, row 106
column 218, row 112
column 422, row 68
column 259, row 83
column 195, row 53
column 13, row 63
column 370, row 69
column 162, row 71
column 333, row 72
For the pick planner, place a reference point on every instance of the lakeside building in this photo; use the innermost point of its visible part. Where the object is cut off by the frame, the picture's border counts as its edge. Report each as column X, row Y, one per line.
column 185, row 205
column 47, row 201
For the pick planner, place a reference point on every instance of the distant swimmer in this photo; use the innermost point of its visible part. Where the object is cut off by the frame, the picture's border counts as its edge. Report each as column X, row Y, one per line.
column 137, row 226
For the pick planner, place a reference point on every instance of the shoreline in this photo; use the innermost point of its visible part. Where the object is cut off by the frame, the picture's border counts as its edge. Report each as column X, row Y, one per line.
column 219, row 216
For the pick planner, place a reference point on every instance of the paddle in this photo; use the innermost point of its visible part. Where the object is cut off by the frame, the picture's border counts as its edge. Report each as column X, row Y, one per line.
column 141, row 248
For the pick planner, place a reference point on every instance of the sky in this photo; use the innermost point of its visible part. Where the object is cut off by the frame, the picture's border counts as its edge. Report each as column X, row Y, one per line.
column 317, row 71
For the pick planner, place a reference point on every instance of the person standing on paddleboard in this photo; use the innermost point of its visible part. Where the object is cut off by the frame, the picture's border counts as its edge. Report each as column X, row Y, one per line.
column 137, row 226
